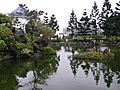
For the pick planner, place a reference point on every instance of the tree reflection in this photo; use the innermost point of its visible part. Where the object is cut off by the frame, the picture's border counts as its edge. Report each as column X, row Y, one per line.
column 41, row 69
column 109, row 70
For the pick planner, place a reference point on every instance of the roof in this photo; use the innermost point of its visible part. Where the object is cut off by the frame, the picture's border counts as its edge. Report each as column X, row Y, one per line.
column 19, row 12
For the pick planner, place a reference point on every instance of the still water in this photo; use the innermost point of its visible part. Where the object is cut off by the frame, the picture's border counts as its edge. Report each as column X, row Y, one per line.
column 60, row 72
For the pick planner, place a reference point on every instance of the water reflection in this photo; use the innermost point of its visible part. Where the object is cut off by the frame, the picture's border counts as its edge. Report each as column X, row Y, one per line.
column 108, row 70
column 27, row 75
column 61, row 72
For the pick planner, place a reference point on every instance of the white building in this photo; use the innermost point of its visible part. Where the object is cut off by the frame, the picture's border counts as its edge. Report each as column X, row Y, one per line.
column 19, row 14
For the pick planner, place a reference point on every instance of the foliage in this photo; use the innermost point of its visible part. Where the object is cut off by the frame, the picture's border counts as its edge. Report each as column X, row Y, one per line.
column 105, row 14
column 2, row 45
column 94, row 16
column 33, row 27
column 94, row 55
column 111, row 26
column 23, row 50
column 36, row 28
column 47, row 32
column 53, row 23
column 22, row 45
column 4, row 19
column 72, row 23
column 79, row 39
column 46, row 20
column 117, row 12
column 82, row 38
column 84, row 24
column 7, row 36
column 81, row 49
column 98, row 37
column 113, row 38
column 48, row 51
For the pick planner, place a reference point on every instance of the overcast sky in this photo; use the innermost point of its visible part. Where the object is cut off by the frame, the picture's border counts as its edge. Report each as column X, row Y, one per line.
column 61, row 8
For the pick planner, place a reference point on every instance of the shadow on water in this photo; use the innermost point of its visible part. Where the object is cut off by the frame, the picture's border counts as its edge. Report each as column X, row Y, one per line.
column 69, row 74
column 26, row 74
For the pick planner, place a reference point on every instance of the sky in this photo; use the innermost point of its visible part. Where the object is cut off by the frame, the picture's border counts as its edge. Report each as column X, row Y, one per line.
column 61, row 8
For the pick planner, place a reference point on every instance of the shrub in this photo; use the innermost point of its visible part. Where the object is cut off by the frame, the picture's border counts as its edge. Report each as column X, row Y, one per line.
column 23, row 50
column 2, row 45
column 94, row 55
column 48, row 51
column 113, row 38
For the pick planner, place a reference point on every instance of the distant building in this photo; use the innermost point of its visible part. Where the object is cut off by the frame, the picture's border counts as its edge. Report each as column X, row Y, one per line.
column 89, row 32
column 19, row 14
column 66, row 32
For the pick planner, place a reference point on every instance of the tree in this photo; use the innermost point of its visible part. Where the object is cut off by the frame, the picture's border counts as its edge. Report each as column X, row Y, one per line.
column 46, row 20
column 72, row 23
column 47, row 32
column 53, row 23
column 94, row 16
column 84, row 24
column 4, row 19
column 111, row 26
column 7, row 38
column 31, row 14
column 117, row 8
column 105, row 14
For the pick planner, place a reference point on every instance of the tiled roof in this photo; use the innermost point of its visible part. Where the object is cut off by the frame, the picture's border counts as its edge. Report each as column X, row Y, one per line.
column 19, row 12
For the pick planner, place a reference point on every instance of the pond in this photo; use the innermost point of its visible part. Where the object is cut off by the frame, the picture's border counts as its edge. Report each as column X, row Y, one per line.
column 60, row 72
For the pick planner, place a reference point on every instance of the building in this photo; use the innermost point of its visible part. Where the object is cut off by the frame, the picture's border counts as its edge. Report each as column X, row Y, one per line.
column 66, row 32
column 20, row 15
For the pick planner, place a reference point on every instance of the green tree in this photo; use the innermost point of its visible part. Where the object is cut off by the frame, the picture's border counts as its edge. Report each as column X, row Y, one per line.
column 94, row 16
column 7, row 38
column 105, row 14
column 34, row 24
column 4, row 19
column 111, row 26
column 33, row 27
column 72, row 23
column 84, row 24
column 31, row 14
column 53, row 23
column 46, row 20
column 117, row 8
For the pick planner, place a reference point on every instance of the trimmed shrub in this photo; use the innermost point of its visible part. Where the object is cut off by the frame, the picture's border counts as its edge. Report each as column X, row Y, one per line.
column 94, row 55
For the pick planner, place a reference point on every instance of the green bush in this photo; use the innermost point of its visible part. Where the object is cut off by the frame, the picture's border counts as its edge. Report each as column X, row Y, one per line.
column 81, row 39
column 113, row 38
column 94, row 55
column 2, row 45
column 48, row 51
column 98, row 37
column 23, row 50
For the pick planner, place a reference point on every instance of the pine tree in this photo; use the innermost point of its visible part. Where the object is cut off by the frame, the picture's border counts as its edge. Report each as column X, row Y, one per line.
column 112, row 26
column 117, row 8
column 72, row 24
column 53, row 23
column 46, row 20
column 105, row 14
column 94, row 16
column 84, row 24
